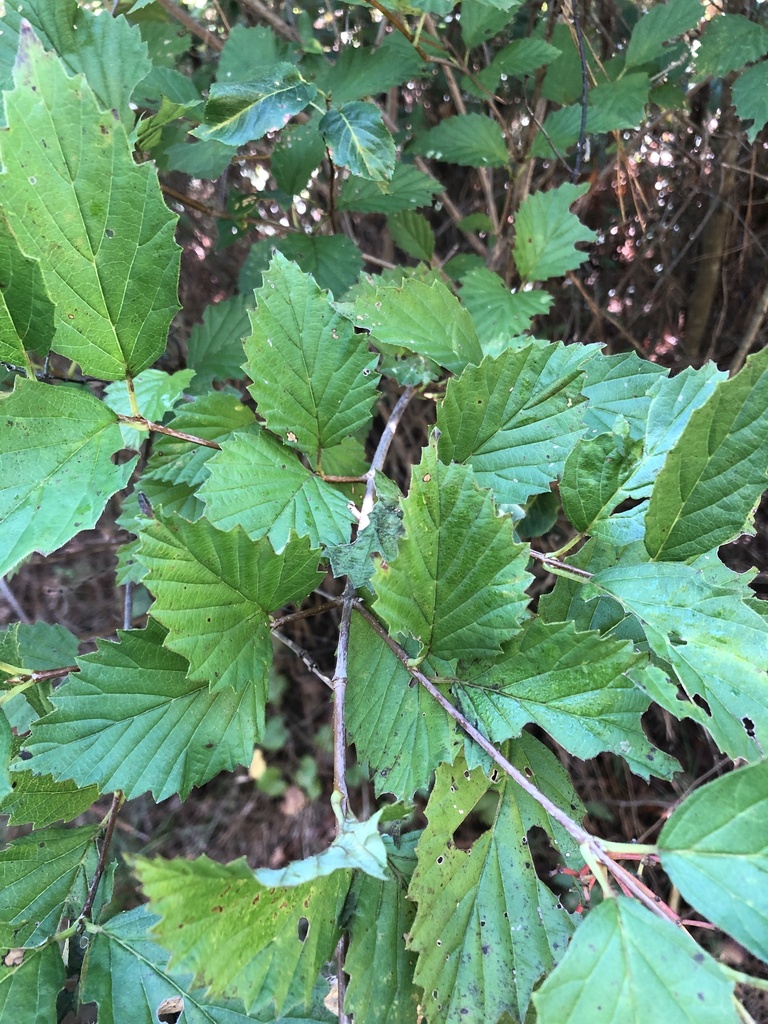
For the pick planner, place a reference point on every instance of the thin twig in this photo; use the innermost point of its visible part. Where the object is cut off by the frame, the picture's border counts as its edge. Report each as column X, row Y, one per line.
column 10, row 598
column 556, row 566
column 581, row 145
column 141, row 423
column 305, row 656
column 273, row 20
column 380, row 455
column 305, row 613
column 591, row 845
column 341, row 979
column 117, row 799
column 755, row 324
column 189, row 23
column 128, row 605
column 339, row 704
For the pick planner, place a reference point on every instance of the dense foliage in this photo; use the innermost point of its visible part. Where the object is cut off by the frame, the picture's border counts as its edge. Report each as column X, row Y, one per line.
column 445, row 147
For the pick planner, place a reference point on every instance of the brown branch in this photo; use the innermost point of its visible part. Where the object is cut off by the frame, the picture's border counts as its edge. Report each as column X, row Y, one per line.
column 117, row 800
column 140, row 422
column 401, row 27
column 305, row 613
column 339, row 683
column 260, row 10
column 40, row 677
column 189, row 23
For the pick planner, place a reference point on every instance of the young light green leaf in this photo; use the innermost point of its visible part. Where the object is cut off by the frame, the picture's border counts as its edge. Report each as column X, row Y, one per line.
column 26, row 312
column 713, row 637
column 215, row 347
column 240, row 112
column 356, row 136
column 29, row 990
column 398, row 729
column 56, row 472
column 515, row 419
column 381, row 919
column 413, row 234
column 313, row 378
column 486, row 928
column 500, row 316
column 43, row 876
column 714, row 848
column 357, row 847
column 458, row 583
column 256, row 483
column 728, row 43
column 575, row 685
column 108, row 51
column 131, row 719
column 715, row 474
column 408, row 189
column 125, row 973
column 214, row 592
column 110, row 264
column 469, row 140
column 750, row 97
column 423, row 318
column 662, row 23
column 267, row 945
column 546, row 233
column 625, row 964
column 594, row 474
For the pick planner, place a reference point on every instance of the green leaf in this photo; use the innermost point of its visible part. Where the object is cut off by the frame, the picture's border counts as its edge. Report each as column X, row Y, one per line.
column 469, row 140
column 297, row 153
column 413, row 234
column 458, row 583
column 515, row 419
column 39, row 800
column 26, row 311
column 356, row 136
column 481, row 20
column 199, row 159
column 381, row 919
column 750, row 97
column 29, row 990
column 486, row 927
column 423, row 318
column 43, row 876
column 131, row 719
column 213, row 591
column 288, row 496
column 500, row 316
column 546, row 233
column 625, row 964
column 56, row 472
column 215, row 347
column 408, row 189
column 397, row 728
column 716, row 472
column 265, row 944
column 575, row 685
column 240, row 112
column 125, row 973
column 361, row 71
column 622, row 385
column 594, row 474
column 98, row 224
column 517, row 60
column 663, row 23
column 313, row 378
column 249, row 51
column 728, row 43
column 108, row 51
column 6, row 750
column 333, row 260
column 713, row 639
column 714, row 848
